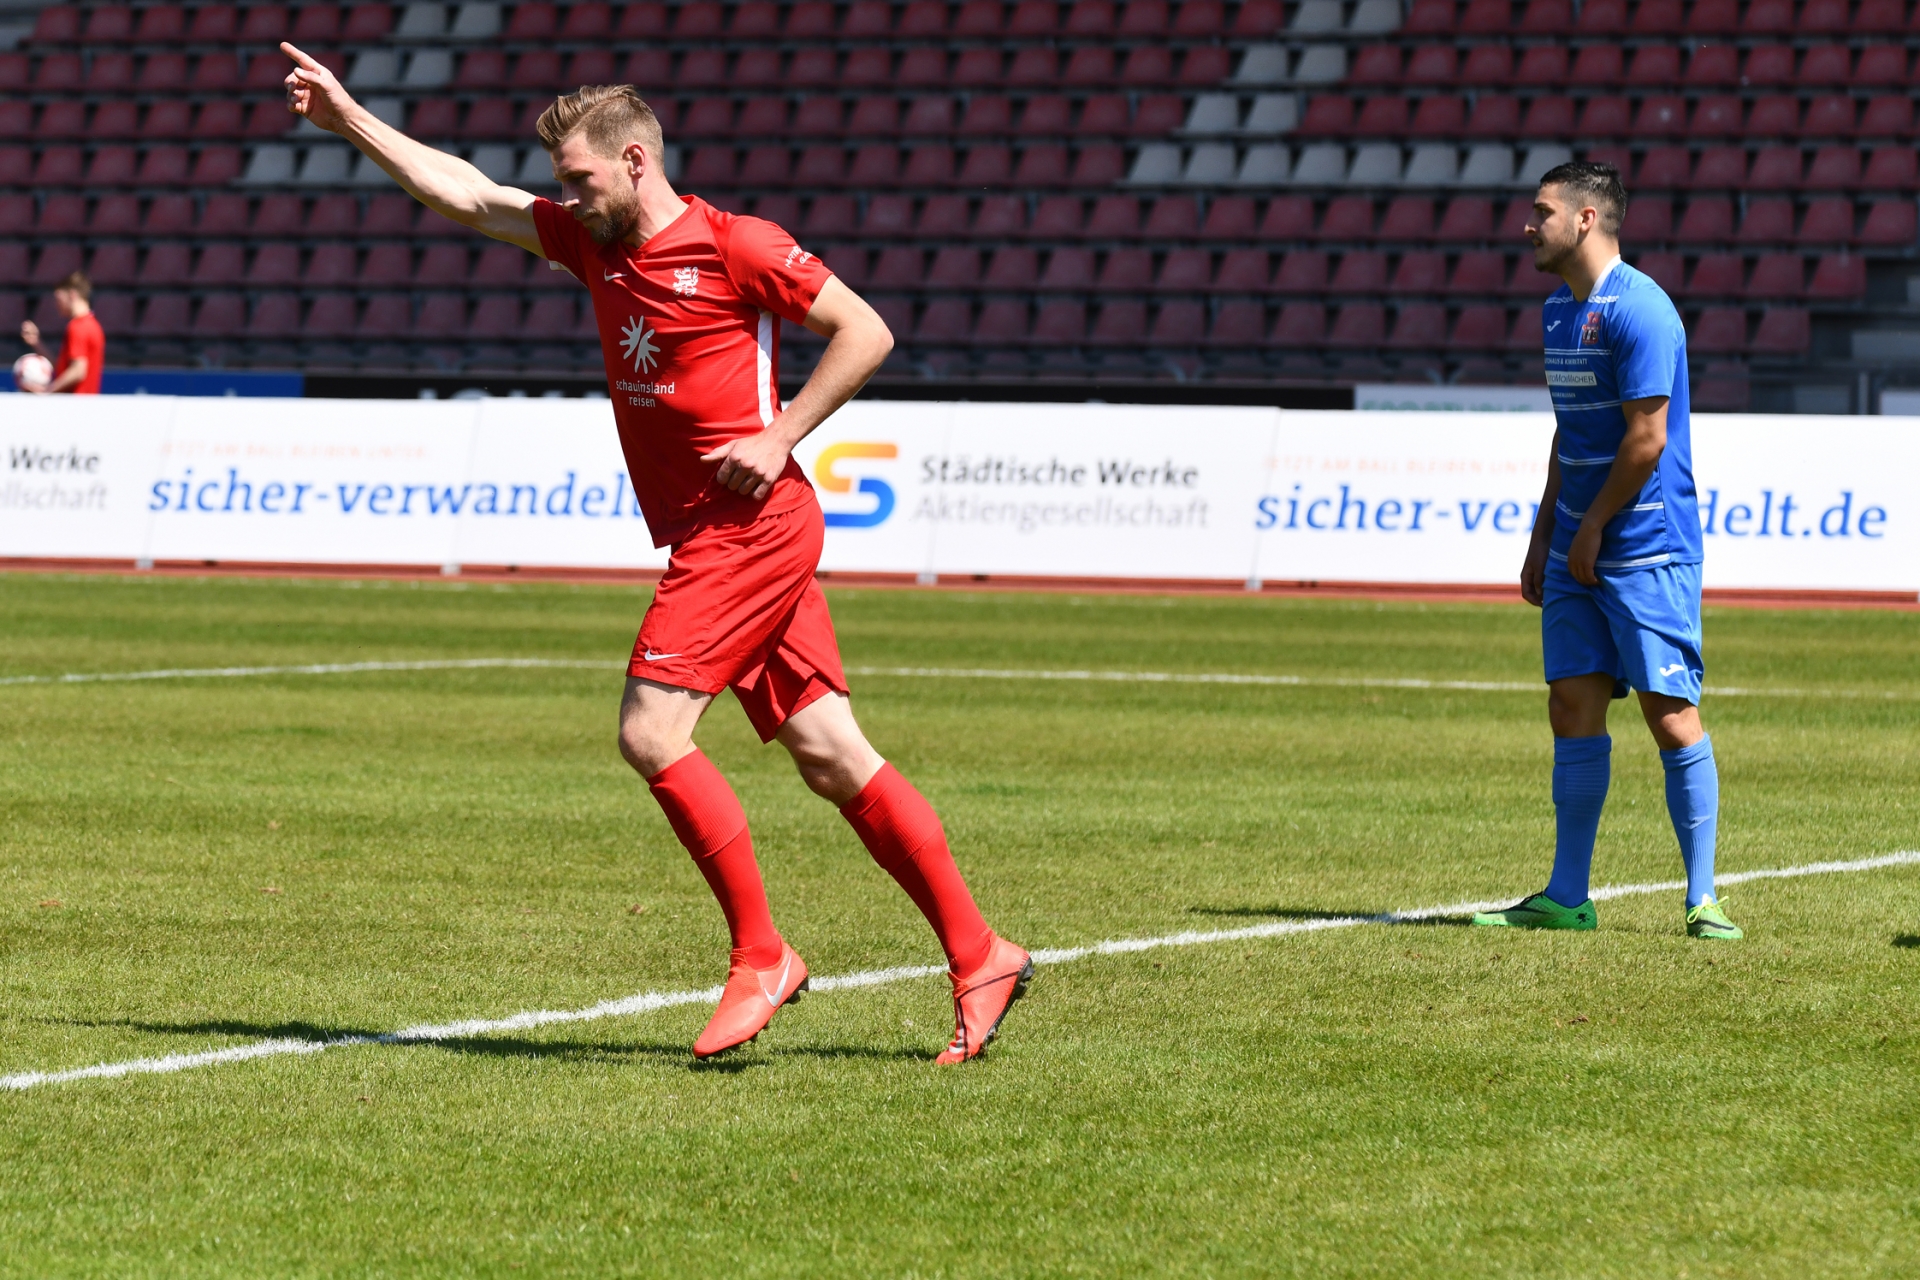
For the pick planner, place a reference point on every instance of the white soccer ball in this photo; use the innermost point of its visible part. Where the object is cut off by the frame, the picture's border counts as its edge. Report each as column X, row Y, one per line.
column 32, row 372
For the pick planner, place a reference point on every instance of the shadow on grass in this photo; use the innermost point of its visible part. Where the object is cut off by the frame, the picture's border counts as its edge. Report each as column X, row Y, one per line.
column 501, row 1046
column 1907, row 941
column 1311, row 913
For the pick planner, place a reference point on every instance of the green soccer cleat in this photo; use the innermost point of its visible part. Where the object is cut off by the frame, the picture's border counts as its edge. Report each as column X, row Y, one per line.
column 1708, row 921
column 1541, row 912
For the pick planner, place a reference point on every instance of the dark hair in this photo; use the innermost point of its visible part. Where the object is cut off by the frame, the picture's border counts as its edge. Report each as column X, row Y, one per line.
column 1594, row 183
column 78, row 283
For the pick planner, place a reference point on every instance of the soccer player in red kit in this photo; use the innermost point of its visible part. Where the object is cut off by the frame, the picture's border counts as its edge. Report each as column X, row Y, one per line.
column 688, row 300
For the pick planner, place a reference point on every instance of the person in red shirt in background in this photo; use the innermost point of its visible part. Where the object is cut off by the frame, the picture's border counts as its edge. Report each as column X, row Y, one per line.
column 83, row 356
column 688, row 299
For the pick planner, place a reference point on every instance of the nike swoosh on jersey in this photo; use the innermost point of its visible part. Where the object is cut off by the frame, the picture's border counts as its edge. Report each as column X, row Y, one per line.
column 613, row 275
column 651, row 656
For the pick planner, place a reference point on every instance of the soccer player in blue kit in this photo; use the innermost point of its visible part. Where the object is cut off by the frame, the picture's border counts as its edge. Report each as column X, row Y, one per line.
column 1614, row 565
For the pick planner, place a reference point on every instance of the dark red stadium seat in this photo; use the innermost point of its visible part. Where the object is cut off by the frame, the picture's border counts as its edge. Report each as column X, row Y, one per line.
column 333, row 315
column 1668, row 270
column 929, row 115
column 888, row 215
column 1240, row 322
column 57, row 73
column 269, row 120
column 1408, row 218
column 942, row 217
column 1718, row 116
column 1121, row 323
column 273, row 264
column 1184, row 271
column 55, row 262
column 1125, row 270
column 369, row 23
column 221, row 315
column 987, row 166
column 1229, row 218
column 1141, row 18
column 1778, row 275
column 1824, row 17
column 874, row 165
column 1719, row 331
column 14, row 268
column 279, row 214
column 501, row 265
column 945, row 320
column 15, row 72
column 1486, row 18
column 866, row 20
column 975, row 68
column 898, row 267
column 1661, row 116
column 440, row 118
column 645, row 68
column 1173, row 218
column 1431, row 17
column 988, row 115
column 1327, row 115
column 220, row 118
column 1420, row 271
column 1254, row 19
column 1360, row 271
column 56, row 25
column 1776, row 168
column 1467, row 219
column 1723, row 167
column 1243, row 271
column 1769, row 64
column 550, row 316
column 218, row 72
column 954, row 267
column 1012, row 268
column 1827, row 64
column 169, row 215
column 1302, row 271
column 1783, row 331
column 1034, row 19
column 1707, row 220
column 1046, row 115
column 1159, row 114
column 830, row 215
column 166, row 315
column 1889, row 223
column 1769, row 220
column 1773, row 17
column 1605, row 117
column 868, row 68
column 495, row 316
column 1301, row 324
column 1838, row 277
column 1887, row 116
column 1178, row 323
column 479, row 69
column 1042, row 165
column 1114, row 217
column 1654, row 67
column 61, row 120
column 818, row 116
column 1888, row 169
column 1002, row 321
column 1833, row 168
column 1291, row 218
column 641, row 22
column 1829, row 220
column 443, row 264
column 1099, row 165
column 1434, row 64
column 1546, row 18
column 1373, row 64
column 929, row 166
column 1347, row 218
column 212, row 166
column 119, row 118
column 1543, row 66
column 1664, row 168
column 17, row 216
column 1525, row 334
column 1880, row 17
column 1717, row 275
column 112, row 265
column 589, row 66
column 118, row 166
column 110, row 73
column 1709, row 18
column 1062, row 217
column 387, row 315
column 1596, row 66
column 1359, row 324
column 1479, row 272
column 1439, row 115
column 536, row 69
column 1482, row 327
column 1495, row 115
column 818, row 166
column 1713, row 66
column 1106, row 113
column 1488, row 66
column 331, row 265
column 316, row 24
column 755, row 20
column 109, row 24
column 114, row 215
column 63, row 214
column 387, row 266
column 162, row 73
column 333, row 214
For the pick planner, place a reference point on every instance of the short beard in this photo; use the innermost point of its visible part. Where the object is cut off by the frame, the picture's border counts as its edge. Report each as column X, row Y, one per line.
column 617, row 220
column 1549, row 258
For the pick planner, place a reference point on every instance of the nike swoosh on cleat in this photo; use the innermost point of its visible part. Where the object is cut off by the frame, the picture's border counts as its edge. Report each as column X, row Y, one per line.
column 785, row 968
column 651, row 656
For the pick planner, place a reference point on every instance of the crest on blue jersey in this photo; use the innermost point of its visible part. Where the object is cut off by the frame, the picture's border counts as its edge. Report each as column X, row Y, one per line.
column 1590, row 330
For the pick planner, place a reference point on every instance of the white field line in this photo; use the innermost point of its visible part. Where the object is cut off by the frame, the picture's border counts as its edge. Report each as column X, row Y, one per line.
column 648, row 1002
column 934, row 673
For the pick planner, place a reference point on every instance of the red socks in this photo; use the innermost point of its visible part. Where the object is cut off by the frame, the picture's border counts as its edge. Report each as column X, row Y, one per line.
column 707, row 817
column 903, row 833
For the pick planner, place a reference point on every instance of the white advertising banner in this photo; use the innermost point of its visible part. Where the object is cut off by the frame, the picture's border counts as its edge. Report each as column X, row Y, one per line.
column 1115, row 491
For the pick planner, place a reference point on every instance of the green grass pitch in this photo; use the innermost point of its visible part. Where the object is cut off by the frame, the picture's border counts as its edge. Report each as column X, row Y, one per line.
column 192, row 864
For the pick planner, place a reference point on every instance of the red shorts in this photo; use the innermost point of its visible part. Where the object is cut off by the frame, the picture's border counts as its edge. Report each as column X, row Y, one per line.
column 739, row 609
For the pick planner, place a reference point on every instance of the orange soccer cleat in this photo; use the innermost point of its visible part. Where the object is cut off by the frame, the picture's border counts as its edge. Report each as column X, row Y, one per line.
column 751, row 998
column 982, row 998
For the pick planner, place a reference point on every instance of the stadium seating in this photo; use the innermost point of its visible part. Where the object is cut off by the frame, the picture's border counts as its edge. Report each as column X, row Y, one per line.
column 1186, row 188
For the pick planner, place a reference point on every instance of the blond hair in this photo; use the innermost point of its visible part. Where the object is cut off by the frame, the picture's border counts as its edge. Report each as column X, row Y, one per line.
column 610, row 115
column 77, row 282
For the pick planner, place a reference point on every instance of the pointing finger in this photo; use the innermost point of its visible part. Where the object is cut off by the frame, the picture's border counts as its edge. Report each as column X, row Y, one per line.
column 306, row 63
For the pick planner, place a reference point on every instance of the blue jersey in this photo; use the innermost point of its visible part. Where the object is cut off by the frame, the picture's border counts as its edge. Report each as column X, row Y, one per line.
column 1625, row 342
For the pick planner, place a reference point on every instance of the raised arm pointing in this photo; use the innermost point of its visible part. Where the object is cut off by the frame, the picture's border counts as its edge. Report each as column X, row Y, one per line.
column 444, row 183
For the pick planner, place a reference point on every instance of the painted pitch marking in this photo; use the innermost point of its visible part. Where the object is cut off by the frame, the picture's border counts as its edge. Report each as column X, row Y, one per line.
column 650, row 1001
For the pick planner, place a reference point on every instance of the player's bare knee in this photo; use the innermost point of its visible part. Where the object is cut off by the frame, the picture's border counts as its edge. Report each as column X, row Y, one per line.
column 645, row 747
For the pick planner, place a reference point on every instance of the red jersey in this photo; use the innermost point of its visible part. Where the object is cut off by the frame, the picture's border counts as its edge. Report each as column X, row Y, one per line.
column 689, row 327
column 86, row 340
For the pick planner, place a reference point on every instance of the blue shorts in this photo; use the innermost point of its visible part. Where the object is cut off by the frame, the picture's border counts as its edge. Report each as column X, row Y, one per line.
column 1641, row 627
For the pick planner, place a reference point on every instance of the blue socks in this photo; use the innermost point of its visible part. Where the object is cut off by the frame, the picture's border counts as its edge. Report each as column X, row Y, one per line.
column 1693, row 801
column 1582, row 768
